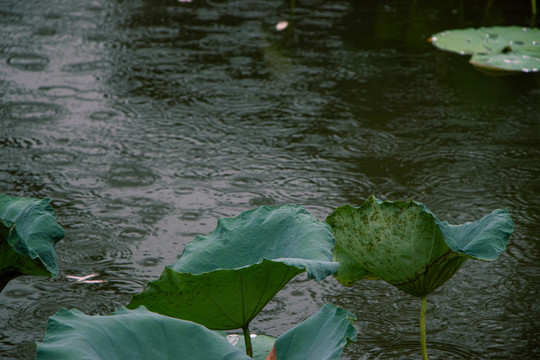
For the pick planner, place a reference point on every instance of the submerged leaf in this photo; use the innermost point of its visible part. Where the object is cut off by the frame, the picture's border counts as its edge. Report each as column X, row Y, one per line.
column 509, row 49
column 28, row 234
column 130, row 335
column 403, row 243
column 224, row 279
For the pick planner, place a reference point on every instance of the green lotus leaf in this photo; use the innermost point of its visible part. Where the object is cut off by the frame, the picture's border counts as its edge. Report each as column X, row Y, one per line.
column 141, row 334
column 224, row 279
column 403, row 243
column 221, row 299
column 322, row 336
column 130, row 335
column 491, row 40
column 28, row 234
column 509, row 49
column 516, row 63
column 484, row 239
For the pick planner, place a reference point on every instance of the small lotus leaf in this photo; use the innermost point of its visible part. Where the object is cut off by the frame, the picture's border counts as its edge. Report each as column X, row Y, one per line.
column 322, row 336
column 131, row 335
column 28, row 234
column 509, row 49
column 224, row 279
column 494, row 63
column 403, row 243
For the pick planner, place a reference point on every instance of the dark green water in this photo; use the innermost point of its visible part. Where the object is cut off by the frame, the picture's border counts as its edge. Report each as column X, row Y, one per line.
column 146, row 121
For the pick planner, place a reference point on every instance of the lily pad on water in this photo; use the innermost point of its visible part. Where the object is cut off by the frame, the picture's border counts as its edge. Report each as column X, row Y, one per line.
column 28, row 234
column 502, row 49
column 403, row 243
column 224, row 279
column 516, row 63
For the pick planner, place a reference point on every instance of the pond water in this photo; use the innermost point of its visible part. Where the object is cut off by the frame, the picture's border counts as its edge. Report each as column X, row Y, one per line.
column 146, row 121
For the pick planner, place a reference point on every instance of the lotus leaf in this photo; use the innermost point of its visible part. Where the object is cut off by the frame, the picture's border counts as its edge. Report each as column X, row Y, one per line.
column 224, row 279
column 28, row 234
column 141, row 334
column 516, row 63
column 403, row 243
column 495, row 49
column 484, row 239
column 322, row 336
column 221, row 299
column 130, row 335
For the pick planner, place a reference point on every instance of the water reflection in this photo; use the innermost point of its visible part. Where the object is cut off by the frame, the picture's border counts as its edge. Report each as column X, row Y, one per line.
column 146, row 121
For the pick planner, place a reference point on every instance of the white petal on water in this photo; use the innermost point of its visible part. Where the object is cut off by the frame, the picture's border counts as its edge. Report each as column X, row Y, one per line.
column 85, row 279
column 282, row 25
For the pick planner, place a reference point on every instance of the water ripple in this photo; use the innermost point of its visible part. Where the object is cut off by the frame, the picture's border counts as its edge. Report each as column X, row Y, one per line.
column 54, row 157
column 126, row 175
column 97, row 249
column 103, row 115
column 29, row 62
column 150, row 261
column 58, row 91
column 32, row 111
column 146, row 121
column 31, row 315
column 89, row 66
column 411, row 349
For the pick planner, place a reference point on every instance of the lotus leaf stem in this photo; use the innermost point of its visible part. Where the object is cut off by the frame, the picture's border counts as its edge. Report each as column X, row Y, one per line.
column 247, row 340
column 423, row 328
column 533, row 10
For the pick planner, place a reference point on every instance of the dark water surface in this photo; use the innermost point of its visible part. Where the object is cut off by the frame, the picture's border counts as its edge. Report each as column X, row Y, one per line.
column 146, row 121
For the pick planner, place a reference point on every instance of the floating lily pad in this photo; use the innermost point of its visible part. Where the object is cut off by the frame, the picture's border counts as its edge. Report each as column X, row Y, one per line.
column 224, row 279
column 28, row 234
column 403, row 243
column 510, row 49
column 509, row 63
